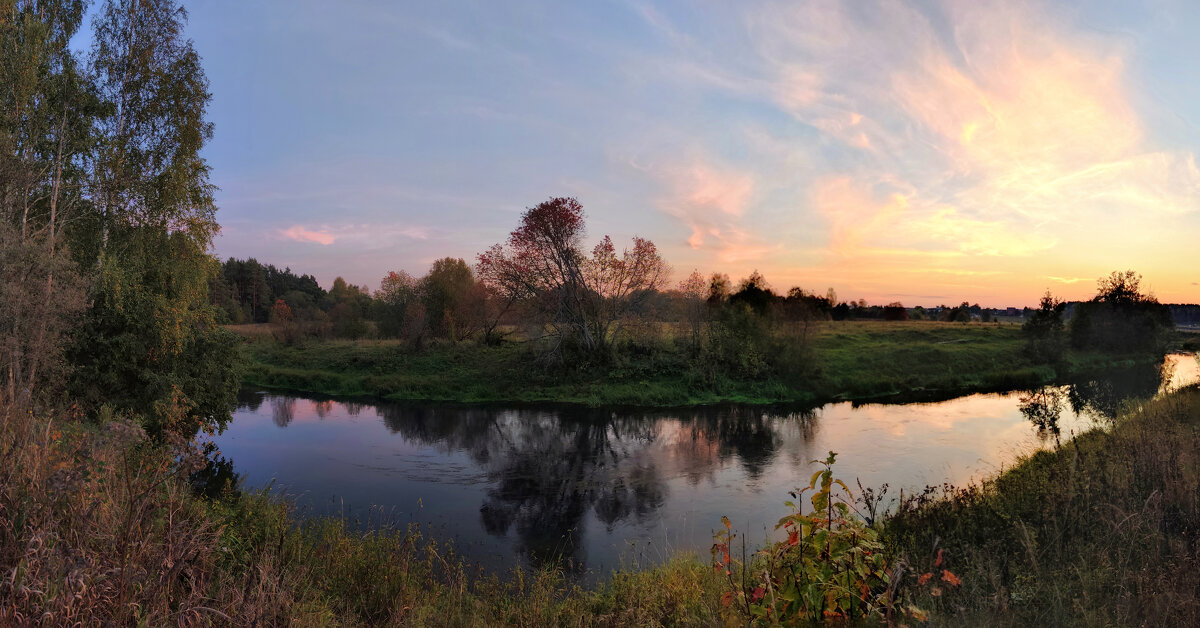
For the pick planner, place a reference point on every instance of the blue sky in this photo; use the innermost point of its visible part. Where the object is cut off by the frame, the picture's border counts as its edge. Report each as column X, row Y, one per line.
column 914, row 151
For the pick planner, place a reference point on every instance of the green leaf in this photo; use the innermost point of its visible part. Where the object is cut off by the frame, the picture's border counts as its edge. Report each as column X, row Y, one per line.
column 813, row 482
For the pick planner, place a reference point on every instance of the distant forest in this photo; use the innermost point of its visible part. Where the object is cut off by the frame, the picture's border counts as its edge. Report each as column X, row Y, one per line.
column 248, row 291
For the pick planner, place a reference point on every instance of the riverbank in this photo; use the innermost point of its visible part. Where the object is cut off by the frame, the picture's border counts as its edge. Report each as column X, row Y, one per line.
column 856, row 361
column 99, row 525
column 1103, row 531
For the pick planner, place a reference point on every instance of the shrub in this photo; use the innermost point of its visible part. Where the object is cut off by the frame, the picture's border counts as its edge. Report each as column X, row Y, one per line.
column 832, row 566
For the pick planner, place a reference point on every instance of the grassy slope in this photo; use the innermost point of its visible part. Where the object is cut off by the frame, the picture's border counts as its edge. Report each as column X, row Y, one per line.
column 854, row 360
column 1103, row 531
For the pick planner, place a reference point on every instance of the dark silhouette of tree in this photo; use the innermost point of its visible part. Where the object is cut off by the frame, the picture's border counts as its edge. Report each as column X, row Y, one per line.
column 895, row 311
column 1044, row 330
column 1121, row 318
column 719, row 288
column 448, row 292
column 692, row 291
column 756, row 293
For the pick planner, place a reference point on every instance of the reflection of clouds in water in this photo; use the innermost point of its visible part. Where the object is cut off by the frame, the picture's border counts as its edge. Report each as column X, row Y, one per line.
column 898, row 419
column 1184, row 371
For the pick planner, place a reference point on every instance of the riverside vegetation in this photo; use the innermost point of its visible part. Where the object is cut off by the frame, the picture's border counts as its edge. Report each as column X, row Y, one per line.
column 850, row 360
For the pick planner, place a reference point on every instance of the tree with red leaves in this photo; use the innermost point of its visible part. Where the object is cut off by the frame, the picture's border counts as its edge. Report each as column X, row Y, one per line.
column 581, row 298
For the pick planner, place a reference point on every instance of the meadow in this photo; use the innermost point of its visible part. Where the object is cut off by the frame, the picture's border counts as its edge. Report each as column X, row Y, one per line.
column 848, row 360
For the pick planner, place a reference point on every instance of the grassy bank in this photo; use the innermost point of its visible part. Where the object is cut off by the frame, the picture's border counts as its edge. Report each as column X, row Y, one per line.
column 1103, row 531
column 849, row 360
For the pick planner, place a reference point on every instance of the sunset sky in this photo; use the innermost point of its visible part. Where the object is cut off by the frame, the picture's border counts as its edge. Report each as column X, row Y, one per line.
column 924, row 152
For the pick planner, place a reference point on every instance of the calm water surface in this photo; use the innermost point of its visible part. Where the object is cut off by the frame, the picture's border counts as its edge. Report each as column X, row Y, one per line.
column 600, row 489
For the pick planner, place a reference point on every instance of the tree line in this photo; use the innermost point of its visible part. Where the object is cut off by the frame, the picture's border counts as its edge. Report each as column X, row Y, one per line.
column 593, row 304
column 1120, row 318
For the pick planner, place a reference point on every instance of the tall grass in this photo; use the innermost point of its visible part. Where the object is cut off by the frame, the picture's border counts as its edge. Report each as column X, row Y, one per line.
column 1102, row 531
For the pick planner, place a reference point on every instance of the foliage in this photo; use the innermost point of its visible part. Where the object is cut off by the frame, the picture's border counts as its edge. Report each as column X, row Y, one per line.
column 284, row 323
column 41, row 299
column 755, row 293
column 581, row 299
column 739, row 341
column 960, row 314
column 149, row 173
column 46, row 118
column 151, row 335
column 348, row 306
column 1100, row 531
column 1044, row 330
column 895, row 311
column 719, row 288
column 108, row 212
column 831, row 566
column 1121, row 318
column 98, row 527
column 694, row 310
column 860, row 360
column 245, row 290
column 451, row 301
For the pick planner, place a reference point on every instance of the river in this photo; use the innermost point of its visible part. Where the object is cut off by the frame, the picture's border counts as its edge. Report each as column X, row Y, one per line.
column 597, row 489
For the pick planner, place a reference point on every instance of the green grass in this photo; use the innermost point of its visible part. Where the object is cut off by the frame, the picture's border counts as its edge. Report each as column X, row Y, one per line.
column 850, row 360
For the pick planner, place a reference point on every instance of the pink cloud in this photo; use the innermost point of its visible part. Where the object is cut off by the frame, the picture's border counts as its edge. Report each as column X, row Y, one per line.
column 300, row 234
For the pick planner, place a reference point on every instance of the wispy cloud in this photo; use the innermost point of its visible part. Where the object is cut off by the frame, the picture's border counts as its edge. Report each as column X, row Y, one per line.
column 711, row 201
column 358, row 235
column 300, row 234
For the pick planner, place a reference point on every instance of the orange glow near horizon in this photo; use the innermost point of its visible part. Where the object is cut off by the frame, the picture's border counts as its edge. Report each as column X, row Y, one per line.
column 1035, row 171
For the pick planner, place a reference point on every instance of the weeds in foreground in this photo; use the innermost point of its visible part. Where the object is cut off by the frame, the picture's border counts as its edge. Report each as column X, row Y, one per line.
column 833, row 566
column 98, row 526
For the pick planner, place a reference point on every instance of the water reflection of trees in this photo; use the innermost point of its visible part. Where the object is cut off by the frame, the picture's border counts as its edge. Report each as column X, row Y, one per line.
column 250, row 399
column 549, row 469
column 283, row 410
column 1099, row 396
column 1043, row 408
column 1103, row 395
